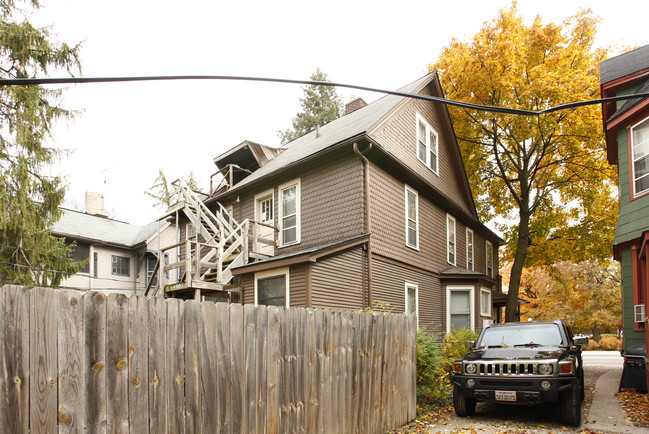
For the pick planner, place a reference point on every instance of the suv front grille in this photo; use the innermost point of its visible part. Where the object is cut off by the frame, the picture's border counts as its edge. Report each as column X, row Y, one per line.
column 509, row 368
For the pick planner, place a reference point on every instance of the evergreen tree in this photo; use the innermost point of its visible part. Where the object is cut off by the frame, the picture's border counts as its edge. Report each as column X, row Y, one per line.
column 162, row 190
column 29, row 198
column 320, row 105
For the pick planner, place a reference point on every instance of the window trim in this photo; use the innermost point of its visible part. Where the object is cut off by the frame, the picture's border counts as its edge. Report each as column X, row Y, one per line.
column 276, row 272
column 487, row 291
column 489, row 258
column 462, row 288
column 448, row 240
column 265, row 195
column 429, row 130
column 412, row 285
column 407, row 190
column 634, row 194
column 298, row 212
column 472, row 244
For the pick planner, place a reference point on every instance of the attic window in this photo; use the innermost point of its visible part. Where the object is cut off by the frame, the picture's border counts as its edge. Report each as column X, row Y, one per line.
column 640, row 157
column 427, row 149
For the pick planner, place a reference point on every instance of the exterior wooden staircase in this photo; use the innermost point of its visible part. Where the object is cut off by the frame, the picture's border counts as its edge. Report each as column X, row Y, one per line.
column 217, row 243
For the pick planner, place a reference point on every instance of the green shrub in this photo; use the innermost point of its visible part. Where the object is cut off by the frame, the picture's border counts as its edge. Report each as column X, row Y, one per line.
column 454, row 346
column 610, row 343
column 430, row 384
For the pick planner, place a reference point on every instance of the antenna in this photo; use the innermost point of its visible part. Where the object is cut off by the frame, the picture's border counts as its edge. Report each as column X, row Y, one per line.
column 105, row 183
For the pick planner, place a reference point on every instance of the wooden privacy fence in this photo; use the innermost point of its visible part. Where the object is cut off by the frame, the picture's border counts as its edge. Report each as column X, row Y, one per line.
column 76, row 361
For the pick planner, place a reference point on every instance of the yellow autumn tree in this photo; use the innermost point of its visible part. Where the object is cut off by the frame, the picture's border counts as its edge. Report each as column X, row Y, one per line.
column 544, row 179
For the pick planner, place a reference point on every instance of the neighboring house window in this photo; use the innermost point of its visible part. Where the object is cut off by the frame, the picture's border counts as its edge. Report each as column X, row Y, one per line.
column 81, row 252
column 412, row 218
column 151, row 261
column 485, row 302
column 121, row 265
column 459, row 308
column 450, row 239
column 640, row 157
column 412, row 300
column 95, row 265
column 427, row 150
column 290, row 212
column 489, row 253
column 469, row 249
column 272, row 288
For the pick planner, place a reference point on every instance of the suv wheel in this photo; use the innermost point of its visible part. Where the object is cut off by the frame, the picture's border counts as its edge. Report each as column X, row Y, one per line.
column 463, row 406
column 570, row 406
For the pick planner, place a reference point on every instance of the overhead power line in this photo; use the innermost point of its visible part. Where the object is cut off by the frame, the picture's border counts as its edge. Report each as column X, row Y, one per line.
column 83, row 80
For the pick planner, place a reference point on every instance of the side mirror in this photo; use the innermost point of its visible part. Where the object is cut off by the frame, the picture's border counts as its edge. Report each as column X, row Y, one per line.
column 469, row 344
column 580, row 340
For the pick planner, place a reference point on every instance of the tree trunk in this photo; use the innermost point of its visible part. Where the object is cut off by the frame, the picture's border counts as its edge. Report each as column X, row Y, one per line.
column 511, row 312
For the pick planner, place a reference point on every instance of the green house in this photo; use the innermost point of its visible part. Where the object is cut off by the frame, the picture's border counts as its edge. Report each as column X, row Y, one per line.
column 626, row 124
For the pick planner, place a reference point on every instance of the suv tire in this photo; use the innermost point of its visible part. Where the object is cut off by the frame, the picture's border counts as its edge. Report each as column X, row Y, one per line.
column 464, row 406
column 570, row 406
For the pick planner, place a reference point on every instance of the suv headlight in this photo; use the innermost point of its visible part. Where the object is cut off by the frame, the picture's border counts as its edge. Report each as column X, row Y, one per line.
column 545, row 369
column 470, row 368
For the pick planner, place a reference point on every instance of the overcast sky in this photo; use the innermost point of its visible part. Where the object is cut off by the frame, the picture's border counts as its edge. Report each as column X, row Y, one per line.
column 126, row 132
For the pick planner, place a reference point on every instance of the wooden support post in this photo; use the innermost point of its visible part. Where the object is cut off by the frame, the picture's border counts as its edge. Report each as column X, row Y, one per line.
column 188, row 262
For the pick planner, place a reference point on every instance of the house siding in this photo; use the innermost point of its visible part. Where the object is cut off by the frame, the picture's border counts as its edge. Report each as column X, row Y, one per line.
column 388, row 286
column 631, row 337
column 387, row 203
column 399, row 134
column 331, row 201
column 633, row 218
column 337, row 280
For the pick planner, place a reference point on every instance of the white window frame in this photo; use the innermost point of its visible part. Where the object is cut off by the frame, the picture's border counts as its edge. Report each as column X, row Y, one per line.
column 285, row 271
column 298, row 213
column 450, row 218
column 416, row 287
column 409, row 189
column 470, row 255
column 268, row 194
column 471, row 291
column 487, row 293
column 426, row 141
column 632, row 159
column 119, row 258
column 489, row 258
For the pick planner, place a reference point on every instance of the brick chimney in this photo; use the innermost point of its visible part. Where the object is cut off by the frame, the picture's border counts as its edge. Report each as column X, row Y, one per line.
column 354, row 105
column 95, row 203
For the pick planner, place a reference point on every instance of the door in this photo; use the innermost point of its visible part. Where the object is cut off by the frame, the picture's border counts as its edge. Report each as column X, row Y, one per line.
column 264, row 213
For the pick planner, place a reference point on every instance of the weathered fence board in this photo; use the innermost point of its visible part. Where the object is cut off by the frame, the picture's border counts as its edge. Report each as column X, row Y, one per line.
column 88, row 362
column 14, row 345
column 71, row 408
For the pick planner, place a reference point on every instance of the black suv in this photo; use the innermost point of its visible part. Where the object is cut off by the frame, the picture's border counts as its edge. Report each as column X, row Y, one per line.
column 522, row 363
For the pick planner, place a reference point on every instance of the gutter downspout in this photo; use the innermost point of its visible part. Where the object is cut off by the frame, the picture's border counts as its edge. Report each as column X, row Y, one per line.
column 368, row 227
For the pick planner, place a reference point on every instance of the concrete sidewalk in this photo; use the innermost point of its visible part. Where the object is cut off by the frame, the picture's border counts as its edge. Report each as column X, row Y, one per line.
column 606, row 414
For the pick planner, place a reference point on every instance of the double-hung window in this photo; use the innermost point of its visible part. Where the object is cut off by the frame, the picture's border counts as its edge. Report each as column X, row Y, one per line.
column 427, row 148
column 412, row 301
column 640, row 157
column 469, row 249
column 459, row 308
column 450, row 239
column 289, row 194
column 485, row 302
column 489, row 253
column 412, row 218
column 121, row 265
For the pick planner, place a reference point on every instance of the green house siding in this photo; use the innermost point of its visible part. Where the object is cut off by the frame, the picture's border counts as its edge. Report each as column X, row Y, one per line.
column 634, row 215
column 630, row 337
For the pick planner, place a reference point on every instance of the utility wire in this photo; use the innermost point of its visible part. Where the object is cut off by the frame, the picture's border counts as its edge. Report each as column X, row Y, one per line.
column 83, row 80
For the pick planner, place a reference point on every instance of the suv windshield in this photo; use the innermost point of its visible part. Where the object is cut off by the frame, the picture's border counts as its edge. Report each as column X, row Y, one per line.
column 528, row 334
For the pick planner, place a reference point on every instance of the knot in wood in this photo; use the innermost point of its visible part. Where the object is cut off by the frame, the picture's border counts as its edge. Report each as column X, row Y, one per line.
column 52, row 383
column 63, row 416
column 136, row 382
column 121, row 365
column 74, row 301
column 17, row 380
column 179, row 379
column 98, row 298
column 154, row 380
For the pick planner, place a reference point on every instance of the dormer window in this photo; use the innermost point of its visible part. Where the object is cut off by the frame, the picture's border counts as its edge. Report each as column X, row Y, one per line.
column 640, row 158
column 427, row 150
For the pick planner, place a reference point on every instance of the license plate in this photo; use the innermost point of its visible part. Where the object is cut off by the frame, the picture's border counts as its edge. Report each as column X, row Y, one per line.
column 505, row 396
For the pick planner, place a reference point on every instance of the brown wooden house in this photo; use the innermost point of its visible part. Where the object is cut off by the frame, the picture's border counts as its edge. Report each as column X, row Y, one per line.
column 372, row 209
